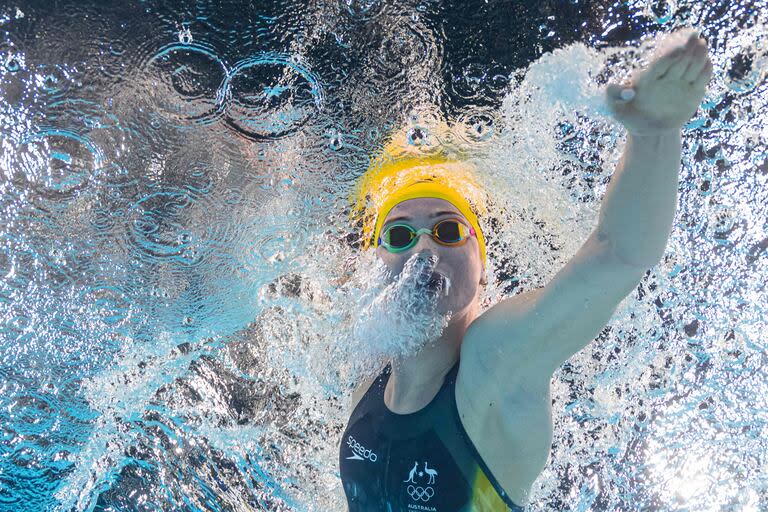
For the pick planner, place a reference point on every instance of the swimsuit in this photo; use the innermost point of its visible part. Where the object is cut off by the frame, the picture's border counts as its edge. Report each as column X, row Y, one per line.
column 423, row 461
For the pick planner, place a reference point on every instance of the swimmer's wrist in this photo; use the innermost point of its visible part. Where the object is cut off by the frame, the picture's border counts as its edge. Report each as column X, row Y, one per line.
column 657, row 150
column 649, row 133
column 655, row 134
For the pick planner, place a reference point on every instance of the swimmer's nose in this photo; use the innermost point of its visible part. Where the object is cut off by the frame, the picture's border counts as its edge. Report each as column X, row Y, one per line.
column 425, row 243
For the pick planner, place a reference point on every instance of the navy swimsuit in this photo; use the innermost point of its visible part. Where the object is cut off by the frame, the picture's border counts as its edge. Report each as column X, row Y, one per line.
column 423, row 461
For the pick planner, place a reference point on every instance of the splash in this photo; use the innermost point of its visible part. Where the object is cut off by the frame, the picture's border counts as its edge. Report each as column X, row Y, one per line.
column 216, row 213
column 398, row 320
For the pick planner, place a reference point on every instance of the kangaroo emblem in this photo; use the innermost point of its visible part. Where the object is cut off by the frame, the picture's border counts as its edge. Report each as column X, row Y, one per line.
column 412, row 473
column 431, row 472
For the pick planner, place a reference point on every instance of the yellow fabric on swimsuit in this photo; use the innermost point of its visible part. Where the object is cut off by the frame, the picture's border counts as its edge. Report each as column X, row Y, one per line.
column 484, row 496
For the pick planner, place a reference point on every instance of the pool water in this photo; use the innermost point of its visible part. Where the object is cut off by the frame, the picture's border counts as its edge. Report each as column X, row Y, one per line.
column 184, row 308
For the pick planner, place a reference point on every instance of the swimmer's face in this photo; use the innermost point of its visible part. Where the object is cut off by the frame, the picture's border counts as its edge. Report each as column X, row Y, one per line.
column 461, row 264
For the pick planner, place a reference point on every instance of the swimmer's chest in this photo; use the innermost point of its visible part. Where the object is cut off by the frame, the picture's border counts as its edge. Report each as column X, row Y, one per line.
column 409, row 461
column 512, row 435
column 417, row 472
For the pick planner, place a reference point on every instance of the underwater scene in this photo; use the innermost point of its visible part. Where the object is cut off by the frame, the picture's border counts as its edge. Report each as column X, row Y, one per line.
column 188, row 302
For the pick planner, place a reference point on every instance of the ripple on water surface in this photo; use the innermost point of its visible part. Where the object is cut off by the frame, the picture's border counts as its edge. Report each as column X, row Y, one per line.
column 56, row 163
column 181, row 226
column 270, row 96
column 184, row 80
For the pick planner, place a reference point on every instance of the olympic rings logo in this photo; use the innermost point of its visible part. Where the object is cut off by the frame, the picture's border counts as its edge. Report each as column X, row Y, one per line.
column 420, row 493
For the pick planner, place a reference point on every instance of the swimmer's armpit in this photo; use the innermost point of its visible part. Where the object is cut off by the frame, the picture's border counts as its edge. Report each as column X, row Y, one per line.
column 525, row 338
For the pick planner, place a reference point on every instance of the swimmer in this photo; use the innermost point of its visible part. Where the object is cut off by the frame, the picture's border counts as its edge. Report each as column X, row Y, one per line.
column 465, row 424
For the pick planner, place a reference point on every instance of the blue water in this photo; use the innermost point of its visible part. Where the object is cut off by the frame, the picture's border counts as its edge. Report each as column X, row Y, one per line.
column 174, row 244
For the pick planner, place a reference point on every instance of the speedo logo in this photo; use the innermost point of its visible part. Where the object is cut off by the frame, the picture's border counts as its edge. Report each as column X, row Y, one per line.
column 360, row 452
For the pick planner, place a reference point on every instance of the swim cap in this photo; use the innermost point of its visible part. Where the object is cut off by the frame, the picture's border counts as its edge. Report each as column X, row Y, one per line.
column 404, row 171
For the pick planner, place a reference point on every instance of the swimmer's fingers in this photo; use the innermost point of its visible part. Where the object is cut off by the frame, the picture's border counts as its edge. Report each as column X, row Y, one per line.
column 697, row 62
column 679, row 67
column 661, row 67
column 705, row 75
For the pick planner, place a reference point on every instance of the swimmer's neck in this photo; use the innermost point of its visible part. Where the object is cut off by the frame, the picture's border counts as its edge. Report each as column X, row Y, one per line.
column 415, row 381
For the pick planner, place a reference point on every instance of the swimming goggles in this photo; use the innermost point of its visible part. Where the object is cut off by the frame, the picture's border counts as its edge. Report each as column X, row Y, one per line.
column 401, row 237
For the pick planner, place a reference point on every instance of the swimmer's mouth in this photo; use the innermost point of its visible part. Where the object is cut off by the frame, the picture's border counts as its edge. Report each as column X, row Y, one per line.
column 439, row 282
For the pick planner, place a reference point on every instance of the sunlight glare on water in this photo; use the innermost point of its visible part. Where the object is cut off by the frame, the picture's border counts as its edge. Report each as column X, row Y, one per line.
column 185, row 308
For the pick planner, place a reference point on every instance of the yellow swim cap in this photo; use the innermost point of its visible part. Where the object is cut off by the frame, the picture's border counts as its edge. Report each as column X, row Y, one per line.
column 404, row 172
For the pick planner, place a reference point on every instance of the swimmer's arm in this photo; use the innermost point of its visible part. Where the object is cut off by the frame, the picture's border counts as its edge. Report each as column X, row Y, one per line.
column 638, row 209
column 639, row 206
column 520, row 341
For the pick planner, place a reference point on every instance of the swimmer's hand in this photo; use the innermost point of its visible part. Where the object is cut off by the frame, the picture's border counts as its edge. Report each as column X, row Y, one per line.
column 664, row 96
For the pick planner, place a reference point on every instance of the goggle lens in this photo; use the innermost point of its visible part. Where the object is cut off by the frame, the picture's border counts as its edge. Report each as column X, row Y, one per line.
column 448, row 232
column 399, row 236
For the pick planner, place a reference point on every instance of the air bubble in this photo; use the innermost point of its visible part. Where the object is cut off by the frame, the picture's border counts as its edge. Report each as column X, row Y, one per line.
column 12, row 65
column 334, row 140
column 661, row 11
column 417, row 136
column 721, row 224
column 479, row 125
column 185, row 36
